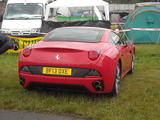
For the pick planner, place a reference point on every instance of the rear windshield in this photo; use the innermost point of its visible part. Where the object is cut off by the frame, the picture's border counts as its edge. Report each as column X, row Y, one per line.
column 75, row 35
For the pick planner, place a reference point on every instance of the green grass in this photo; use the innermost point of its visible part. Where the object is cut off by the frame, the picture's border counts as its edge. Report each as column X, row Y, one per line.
column 139, row 98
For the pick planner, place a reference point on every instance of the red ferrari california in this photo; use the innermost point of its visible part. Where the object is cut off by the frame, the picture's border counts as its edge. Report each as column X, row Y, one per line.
column 78, row 57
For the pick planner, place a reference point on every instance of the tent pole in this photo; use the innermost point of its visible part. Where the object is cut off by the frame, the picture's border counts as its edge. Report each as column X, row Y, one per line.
column 92, row 12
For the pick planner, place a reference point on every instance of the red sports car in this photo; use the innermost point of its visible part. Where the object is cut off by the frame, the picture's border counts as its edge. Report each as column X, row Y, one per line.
column 81, row 57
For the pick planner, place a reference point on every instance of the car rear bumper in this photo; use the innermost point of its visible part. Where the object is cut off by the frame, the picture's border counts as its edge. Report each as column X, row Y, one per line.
column 86, row 82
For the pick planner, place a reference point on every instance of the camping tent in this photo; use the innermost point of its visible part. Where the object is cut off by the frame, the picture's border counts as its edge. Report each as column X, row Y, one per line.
column 99, row 7
column 145, row 16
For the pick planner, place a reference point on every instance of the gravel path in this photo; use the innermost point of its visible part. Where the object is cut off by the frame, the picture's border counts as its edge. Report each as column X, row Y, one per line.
column 23, row 115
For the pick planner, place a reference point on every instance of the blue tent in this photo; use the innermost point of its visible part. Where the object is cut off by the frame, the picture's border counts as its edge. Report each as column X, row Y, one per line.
column 145, row 16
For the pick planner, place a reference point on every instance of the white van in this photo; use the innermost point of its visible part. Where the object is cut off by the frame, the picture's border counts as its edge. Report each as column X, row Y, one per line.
column 23, row 17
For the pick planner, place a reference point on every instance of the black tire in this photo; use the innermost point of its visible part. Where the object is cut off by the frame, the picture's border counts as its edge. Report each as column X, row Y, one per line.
column 132, row 65
column 117, row 81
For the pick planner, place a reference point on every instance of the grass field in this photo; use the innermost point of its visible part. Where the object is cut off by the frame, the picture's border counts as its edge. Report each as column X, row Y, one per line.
column 139, row 98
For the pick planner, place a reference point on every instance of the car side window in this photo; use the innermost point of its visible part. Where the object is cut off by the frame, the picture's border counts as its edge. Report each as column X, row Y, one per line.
column 114, row 39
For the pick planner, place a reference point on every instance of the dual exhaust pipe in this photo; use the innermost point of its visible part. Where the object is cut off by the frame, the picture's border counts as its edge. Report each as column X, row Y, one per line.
column 98, row 85
column 22, row 80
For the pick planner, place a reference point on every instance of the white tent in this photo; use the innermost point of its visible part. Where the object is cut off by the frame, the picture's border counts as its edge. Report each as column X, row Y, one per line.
column 80, row 3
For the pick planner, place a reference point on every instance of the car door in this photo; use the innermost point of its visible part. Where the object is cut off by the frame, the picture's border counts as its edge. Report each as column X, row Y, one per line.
column 130, row 53
column 127, row 47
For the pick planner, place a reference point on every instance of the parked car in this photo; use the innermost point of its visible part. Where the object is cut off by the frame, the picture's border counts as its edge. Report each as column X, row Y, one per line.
column 82, row 57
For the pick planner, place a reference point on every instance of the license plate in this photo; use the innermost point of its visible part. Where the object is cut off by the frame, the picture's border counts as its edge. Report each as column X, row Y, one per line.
column 57, row 71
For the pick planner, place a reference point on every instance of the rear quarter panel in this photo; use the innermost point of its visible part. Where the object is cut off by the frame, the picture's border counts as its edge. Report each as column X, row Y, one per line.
column 107, row 65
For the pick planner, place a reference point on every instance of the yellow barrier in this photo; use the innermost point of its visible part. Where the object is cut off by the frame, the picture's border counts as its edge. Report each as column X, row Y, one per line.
column 23, row 42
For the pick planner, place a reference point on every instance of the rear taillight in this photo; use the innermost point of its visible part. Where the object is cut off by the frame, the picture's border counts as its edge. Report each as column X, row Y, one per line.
column 27, row 51
column 94, row 54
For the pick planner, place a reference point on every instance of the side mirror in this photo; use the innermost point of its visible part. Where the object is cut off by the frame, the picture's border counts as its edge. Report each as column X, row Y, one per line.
column 128, row 42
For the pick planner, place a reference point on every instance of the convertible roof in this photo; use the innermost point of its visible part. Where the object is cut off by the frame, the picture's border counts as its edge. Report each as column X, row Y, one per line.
column 77, row 3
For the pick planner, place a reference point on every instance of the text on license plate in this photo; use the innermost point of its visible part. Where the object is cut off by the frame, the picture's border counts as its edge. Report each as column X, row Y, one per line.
column 57, row 71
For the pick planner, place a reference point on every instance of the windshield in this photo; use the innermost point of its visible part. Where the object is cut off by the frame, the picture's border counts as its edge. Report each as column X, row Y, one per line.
column 75, row 35
column 23, row 11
